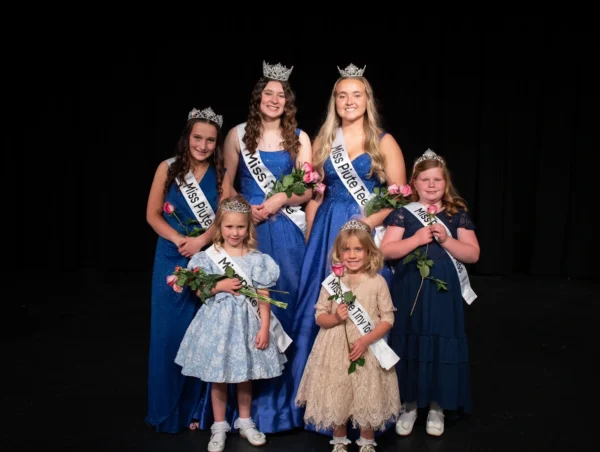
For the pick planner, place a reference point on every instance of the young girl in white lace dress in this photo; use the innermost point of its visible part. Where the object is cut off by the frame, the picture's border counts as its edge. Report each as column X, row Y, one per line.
column 368, row 397
column 230, row 340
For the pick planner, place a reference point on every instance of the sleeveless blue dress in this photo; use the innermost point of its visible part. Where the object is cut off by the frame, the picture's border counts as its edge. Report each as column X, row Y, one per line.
column 280, row 238
column 174, row 399
column 337, row 208
column 432, row 343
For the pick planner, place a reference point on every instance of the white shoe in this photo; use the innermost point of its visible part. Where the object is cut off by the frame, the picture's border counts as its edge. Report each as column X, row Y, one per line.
column 217, row 442
column 247, row 429
column 219, row 435
column 339, row 448
column 435, row 423
column 404, row 425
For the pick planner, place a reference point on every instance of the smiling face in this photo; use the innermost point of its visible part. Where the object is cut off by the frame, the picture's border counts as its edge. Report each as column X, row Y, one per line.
column 234, row 228
column 272, row 101
column 431, row 186
column 202, row 142
column 350, row 99
column 353, row 254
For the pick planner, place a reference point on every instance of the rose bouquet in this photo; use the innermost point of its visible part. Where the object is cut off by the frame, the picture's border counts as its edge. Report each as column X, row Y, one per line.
column 424, row 264
column 348, row 298
column 190, row 231
column 202, row 283
column 390, row 197
column 297, row 182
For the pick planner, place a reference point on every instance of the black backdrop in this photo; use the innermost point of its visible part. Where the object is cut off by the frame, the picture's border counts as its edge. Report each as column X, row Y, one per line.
column 512, row 103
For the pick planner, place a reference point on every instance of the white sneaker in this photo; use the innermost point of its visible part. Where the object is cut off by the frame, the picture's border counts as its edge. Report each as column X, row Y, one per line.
column 405, row 423
column 435, row 423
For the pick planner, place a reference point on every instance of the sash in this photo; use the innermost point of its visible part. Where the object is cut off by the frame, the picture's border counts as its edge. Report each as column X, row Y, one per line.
column 465, row 286
column 196, row 199
column 348, row 175
column 265, row 179
column 222, row 259
column 360, row 317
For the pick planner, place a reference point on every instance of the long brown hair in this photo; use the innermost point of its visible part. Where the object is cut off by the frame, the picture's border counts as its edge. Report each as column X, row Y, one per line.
column 181, row 166
column 290, row 142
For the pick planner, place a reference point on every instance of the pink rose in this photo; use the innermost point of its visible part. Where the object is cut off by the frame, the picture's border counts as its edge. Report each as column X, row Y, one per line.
column 168, row 208
column 393, row 189
column 307, row 167
column 432, row 209
column 405, row 190
column 309, row 178
column 338, row 269
column 171, row 280
column 177, row 288
column 320, row 188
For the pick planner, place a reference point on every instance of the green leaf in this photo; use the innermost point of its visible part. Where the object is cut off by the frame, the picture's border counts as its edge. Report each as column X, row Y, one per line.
column 429, row 262
column 348, row 297
column 333, row 297
column 299, row 189
column 360, row 361
column 229, row 272
column 196, row 232
column 424, row 271
column 288, row 180
column 376, row 190
column 408, row 258
column 352, row 367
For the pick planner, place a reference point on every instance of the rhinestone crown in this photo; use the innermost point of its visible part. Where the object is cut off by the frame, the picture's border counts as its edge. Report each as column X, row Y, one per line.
column 352, row 71
column 235, row 206
column 276, row 71
column 356, row 225
column 429, row 155
column 207, row 113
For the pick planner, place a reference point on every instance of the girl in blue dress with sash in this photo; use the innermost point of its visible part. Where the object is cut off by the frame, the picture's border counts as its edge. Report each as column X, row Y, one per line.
column 429, row 333
column 263, row 149
column 353, row 156
column 183, row 200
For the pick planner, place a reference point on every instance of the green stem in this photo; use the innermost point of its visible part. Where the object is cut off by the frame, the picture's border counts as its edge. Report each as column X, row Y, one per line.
column 185, row 227
column 419, row 291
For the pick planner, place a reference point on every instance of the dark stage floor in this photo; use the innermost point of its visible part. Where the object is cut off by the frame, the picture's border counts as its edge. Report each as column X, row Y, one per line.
column 75, row 373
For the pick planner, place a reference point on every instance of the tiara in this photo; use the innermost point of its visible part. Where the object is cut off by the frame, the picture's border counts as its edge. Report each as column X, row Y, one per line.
column 276, row 71
column 351, row 71
column 207, row 113
column 355, row 225
column 429, row 155
column 235, row 206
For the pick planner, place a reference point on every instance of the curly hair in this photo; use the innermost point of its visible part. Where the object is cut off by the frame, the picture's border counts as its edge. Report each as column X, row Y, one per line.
column 374, row 260
column 290, row 142
column 250, row 240
column 451, row 200
column 181, row 166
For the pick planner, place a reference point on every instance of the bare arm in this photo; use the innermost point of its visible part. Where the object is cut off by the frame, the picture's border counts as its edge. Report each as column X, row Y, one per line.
column 393, row 246
column 154, row 207
column 465, row 248
column 231, row 154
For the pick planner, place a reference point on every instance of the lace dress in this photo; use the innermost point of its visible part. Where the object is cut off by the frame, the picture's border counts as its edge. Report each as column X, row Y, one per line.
column 369, row 397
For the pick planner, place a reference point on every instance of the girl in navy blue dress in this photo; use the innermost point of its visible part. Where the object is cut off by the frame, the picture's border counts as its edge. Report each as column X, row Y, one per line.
column 429, row 332
column 183, row 199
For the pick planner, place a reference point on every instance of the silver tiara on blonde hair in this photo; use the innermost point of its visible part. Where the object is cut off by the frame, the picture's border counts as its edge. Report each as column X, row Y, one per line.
column 276, row 71
column 207, row 113
column 355, row 225
column 429, row 155
column 235, row 206
column 351, row 71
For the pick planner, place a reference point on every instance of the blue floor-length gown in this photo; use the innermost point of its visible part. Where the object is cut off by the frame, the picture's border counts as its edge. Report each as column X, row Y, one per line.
column 174, row 399
column 337, row 208
column 282, row 239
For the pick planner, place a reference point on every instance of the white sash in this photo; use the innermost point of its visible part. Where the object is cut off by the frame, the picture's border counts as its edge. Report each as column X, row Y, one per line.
column 354, row 184
column 359, row 315
column 196, row 199
column 265, row 179
column 420, row 212
column 223, row 259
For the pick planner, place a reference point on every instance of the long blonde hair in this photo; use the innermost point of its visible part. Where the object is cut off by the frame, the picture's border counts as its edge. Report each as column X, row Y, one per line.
column 371, row 125
column 374, row 260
